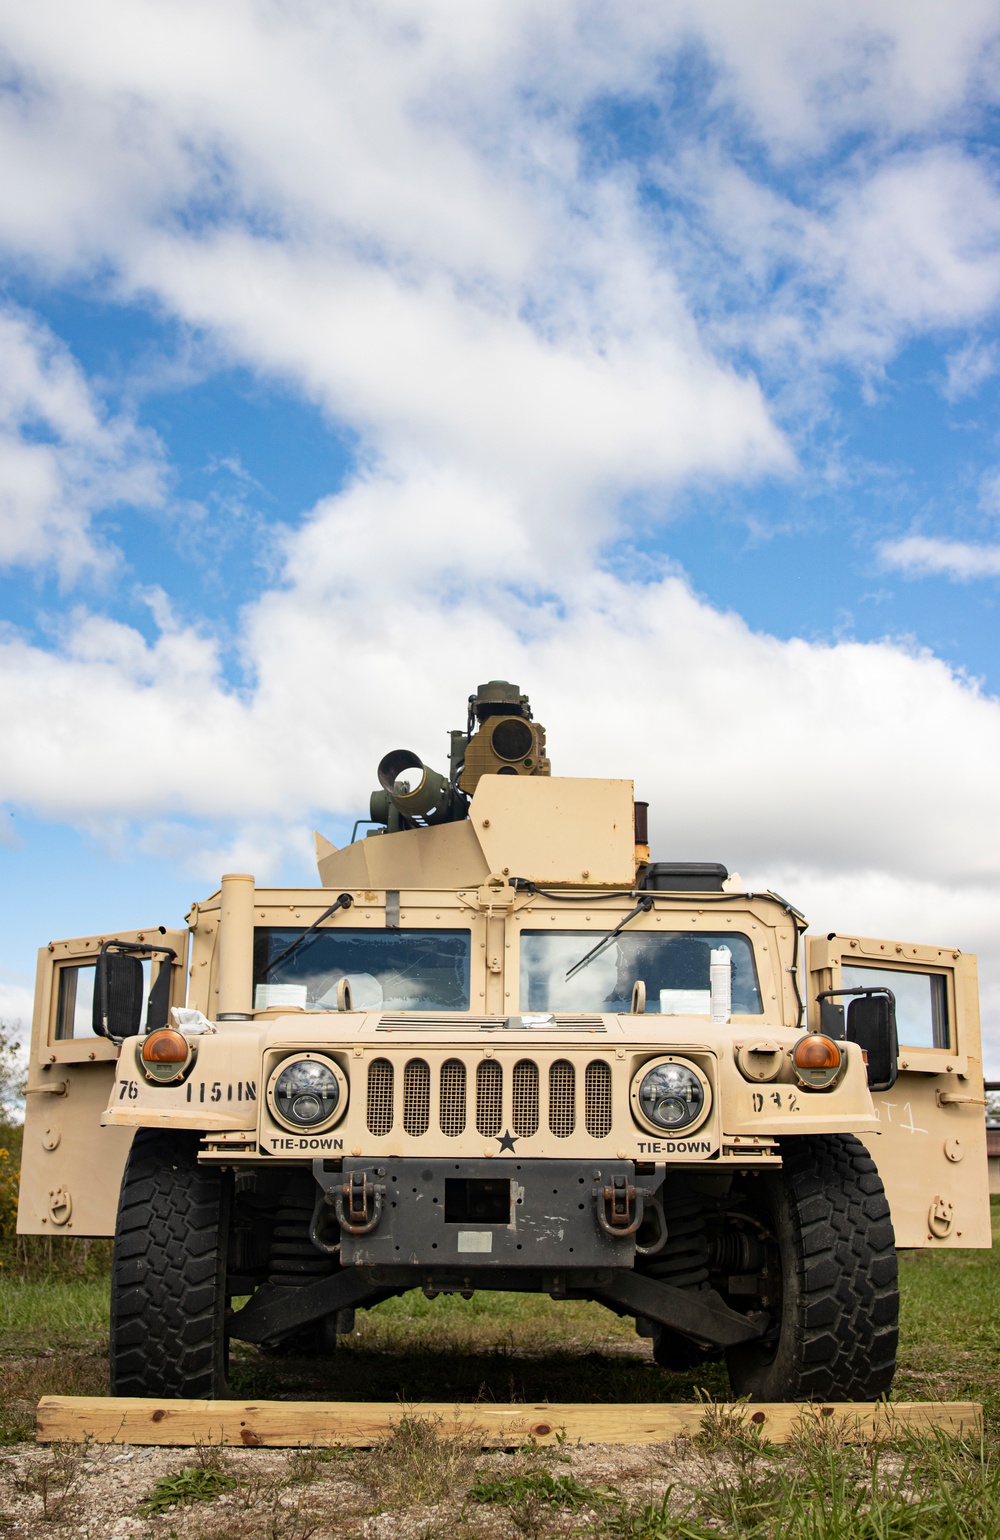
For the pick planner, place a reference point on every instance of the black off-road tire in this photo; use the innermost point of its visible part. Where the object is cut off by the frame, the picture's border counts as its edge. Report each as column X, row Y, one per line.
column 839, row 1321
column 168, row 1279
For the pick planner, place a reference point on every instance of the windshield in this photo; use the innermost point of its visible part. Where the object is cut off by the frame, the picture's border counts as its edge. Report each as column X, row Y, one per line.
column 673, row 966
column 393, row 970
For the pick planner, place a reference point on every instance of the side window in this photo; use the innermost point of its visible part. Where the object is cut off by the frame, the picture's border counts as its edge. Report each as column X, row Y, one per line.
column 75, row 1000
column 921, row 1002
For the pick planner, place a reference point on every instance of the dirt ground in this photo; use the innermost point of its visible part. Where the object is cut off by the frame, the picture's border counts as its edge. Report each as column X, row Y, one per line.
column 421, row 1483
column 416, row 1484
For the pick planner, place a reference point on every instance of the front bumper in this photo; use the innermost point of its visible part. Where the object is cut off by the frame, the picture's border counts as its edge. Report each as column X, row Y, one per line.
column 487, row 1214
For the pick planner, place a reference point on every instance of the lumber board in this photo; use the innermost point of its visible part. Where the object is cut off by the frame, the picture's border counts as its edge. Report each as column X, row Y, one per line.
column 324, row 1424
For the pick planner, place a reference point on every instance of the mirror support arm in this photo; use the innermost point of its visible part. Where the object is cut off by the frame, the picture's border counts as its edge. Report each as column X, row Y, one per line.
column 891, row 1047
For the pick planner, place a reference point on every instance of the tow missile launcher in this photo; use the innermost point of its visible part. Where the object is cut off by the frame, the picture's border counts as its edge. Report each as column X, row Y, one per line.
column 500, row 739
column 500, row 1047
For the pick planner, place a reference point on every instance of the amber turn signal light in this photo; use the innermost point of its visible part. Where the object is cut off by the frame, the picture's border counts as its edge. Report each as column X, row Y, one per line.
column 815, row 1052
column 816, row 1061
column 165, row 1047
column 166, row 1056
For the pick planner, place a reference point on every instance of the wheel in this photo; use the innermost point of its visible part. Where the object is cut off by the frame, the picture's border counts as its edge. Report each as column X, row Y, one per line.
column 168, row 1278
column 836, row 1313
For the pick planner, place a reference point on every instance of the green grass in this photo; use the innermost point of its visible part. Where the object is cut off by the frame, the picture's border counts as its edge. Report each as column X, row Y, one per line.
column 950, row 1326
column 194, row 1484
column 540, row 1487
column 51, row 1310
column 526, row 1347
column 929, row 1489
column 515, row 1347
column 727, row 1486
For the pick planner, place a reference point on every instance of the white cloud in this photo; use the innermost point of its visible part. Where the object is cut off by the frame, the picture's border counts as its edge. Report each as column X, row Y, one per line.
column 422, row 371
column 264, row 845
column 16, row 1003
column 808, row 74
column 836, row 761
column 969, row 367
column 844, row 270
column 392, row 208
column 62, row 457
column 380, row 629
column 927, row 555
column 921, row 241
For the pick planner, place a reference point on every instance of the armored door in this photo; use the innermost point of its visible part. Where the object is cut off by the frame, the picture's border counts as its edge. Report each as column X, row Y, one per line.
column 931, row 1143
column 71, row 1167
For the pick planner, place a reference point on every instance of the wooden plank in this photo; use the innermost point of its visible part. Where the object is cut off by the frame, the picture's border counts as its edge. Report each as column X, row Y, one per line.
column 322, row 1424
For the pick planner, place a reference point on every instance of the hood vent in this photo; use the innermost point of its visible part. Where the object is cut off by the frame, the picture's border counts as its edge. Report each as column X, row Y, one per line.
column 537, row 1021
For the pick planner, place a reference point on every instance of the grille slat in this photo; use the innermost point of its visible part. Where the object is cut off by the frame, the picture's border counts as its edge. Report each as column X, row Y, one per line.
column 452, row 1114
column 416, row 1097
column 380, row 1083
column 525, row 1111
column 489, row 1094
column 562, row 1098
column 597, row 1087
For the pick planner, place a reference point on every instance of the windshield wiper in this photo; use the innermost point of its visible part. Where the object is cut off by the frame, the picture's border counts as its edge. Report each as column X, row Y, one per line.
column 642, row 907
column 343, row 902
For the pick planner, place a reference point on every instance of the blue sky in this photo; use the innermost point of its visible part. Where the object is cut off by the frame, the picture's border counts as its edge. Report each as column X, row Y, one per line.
column 651, row 359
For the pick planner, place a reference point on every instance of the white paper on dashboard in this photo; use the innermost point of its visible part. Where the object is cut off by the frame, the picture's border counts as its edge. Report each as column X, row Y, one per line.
column 685, row 1002
column 267, row 996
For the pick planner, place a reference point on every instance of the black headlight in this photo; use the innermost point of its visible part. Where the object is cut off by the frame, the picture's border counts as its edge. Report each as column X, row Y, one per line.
column 672, row 1097
column 306, row 1092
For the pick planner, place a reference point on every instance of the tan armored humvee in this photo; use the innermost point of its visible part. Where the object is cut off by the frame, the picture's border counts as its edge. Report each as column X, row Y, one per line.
column 502, row 1048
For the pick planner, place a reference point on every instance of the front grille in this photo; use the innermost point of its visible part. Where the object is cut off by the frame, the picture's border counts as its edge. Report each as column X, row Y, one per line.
column 525, row 1114
column 562, row 1096
column 380, row 1078
column 489, row 1092
column 598, row 1099
column 453, row 1098
column 416, row 1097
column 467, row 1100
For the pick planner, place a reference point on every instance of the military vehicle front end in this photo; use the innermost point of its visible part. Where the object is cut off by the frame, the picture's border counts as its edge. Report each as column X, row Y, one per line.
column 500, row 1048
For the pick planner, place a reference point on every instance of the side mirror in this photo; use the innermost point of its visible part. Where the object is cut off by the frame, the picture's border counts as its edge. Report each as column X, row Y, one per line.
column 871, row 1023
column 118, row 991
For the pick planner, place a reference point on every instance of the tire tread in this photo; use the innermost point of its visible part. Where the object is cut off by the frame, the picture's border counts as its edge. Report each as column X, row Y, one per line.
column 841, row 1341
column 168, row 1272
